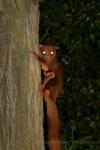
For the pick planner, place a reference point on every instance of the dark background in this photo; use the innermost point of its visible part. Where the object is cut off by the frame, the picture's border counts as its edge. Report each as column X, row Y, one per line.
column 74, row 26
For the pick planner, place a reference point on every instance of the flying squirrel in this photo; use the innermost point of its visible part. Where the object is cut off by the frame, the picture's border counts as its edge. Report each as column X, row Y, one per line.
column 50, row 89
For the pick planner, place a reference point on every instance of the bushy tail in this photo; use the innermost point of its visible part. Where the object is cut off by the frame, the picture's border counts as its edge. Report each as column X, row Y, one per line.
column 53, row 125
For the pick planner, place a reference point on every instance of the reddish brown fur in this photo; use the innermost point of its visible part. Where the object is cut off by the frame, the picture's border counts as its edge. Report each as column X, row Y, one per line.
column 50, row 89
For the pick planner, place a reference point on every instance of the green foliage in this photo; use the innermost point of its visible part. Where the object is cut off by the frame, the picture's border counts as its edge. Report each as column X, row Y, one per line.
column 80, row 144
column 74, row 25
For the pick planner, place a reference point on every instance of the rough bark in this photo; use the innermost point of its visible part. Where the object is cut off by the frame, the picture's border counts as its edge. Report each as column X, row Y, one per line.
column 21, row 114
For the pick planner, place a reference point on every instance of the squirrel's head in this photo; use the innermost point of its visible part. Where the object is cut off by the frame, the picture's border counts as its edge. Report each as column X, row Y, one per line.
column 48, row 50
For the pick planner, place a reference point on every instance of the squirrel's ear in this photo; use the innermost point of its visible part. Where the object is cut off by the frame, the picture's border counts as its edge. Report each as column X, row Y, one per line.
column 56, row 47
column 40, row 46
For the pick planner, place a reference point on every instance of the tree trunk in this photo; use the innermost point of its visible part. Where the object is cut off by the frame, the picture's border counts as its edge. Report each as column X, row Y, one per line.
column 21, row 111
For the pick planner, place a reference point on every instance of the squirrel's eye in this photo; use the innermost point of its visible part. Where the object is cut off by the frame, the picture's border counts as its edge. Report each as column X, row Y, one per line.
column 52, row 52
column 44, row 52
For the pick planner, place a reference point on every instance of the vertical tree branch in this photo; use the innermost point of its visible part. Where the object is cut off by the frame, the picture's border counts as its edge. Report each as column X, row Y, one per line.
column 21, row 116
